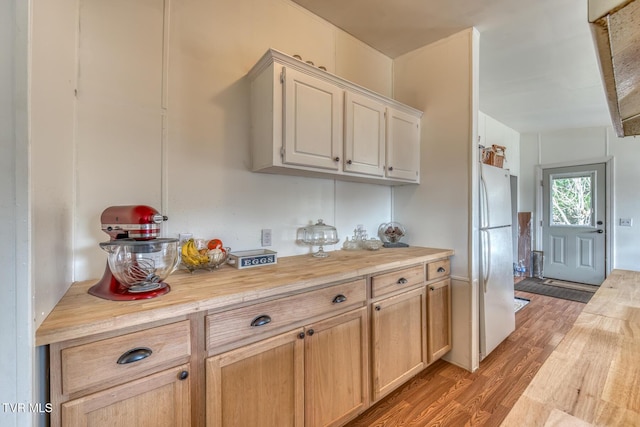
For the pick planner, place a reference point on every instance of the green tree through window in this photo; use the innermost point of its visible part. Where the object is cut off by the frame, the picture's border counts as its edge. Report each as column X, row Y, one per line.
column 572, row 201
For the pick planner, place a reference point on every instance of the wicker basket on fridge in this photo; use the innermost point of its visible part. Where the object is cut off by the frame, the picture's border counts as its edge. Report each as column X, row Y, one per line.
column 494, row 156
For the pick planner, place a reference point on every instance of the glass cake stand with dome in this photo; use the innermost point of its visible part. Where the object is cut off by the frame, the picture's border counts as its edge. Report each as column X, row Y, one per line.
column 320, row 234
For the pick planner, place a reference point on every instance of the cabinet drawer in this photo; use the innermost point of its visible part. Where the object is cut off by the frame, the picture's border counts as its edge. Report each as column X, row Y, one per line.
column 269, row 317
column 126, row 357
column 438, row 269
column 396, row 280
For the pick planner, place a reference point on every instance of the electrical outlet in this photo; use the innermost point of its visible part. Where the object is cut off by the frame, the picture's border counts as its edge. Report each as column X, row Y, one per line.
column 626, row 222
column 266, row 237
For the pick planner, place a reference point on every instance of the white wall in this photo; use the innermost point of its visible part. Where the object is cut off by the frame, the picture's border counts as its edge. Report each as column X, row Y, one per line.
column 52, row 158
column 161, row 117
column 441, row 79
column 585, row 145
column 491, row 131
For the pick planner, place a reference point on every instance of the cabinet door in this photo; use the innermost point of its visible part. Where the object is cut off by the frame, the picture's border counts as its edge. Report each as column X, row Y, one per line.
column 312, row 121
column 403, row 146
column 439, row 318
column 258, row 385
column 336, row 381
column 162, row 399
column 399, row 341
column 365, row 135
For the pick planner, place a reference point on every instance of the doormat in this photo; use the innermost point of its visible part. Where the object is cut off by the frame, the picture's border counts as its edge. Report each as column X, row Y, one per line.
column 571, row 285
column 538, row 286
column 519, row 303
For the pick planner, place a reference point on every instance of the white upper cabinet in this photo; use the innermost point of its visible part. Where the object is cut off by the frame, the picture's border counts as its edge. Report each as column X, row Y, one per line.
column 364, row 135
column 306, row 121
column 403, row 146
column 312, row 121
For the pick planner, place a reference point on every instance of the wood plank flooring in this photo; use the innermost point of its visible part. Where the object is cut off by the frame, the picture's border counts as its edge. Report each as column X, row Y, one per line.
column 446, row 395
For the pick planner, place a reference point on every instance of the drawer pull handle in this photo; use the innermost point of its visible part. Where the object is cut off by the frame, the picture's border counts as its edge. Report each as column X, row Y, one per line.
column 261, row 320
column 339, row 298
column 134, row 355
column 183, row 375
column 402, row 281
column 441, row 270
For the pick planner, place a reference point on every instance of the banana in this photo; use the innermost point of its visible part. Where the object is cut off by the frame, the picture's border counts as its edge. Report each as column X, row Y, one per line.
column 195, row 253
column 190, row 254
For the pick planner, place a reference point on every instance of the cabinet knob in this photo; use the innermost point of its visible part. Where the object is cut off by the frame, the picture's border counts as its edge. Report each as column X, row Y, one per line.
column 301, row 335
column 390, row 168
column 311, row 332
column 432, row 288
column 402, row 281
column 339, row 298
column 183, row 375
column 349, row 162
column 134, row 355
column 261, row 320
column 336, row 159
column 377, row 308
column 441, row 270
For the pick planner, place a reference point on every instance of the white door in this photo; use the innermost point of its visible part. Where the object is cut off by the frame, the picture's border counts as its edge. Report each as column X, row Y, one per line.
column 365, row 135
column 573, row 227
column 497, row 317
column 495, row 197
column 312, row 121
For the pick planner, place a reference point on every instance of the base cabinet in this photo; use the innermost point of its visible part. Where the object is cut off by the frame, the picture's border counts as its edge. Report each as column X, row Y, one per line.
column 311, row 376
column 314, row 358
column 161, row 399
column 260, row 384
column 439, row 318
column 399, row 340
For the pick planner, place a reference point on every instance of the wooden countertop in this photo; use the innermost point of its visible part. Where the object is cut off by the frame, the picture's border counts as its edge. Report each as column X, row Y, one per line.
column 79, row 314
column 593, row 375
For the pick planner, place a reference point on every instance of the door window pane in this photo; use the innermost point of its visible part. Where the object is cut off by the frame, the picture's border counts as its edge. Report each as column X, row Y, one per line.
column 572, row 201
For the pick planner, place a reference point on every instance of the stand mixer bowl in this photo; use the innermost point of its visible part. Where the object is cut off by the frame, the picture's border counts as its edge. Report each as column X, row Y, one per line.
column 142, row 265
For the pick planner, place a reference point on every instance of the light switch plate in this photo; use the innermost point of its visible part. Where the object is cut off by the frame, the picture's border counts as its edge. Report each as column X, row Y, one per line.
column 266, row 237
column 626, row 222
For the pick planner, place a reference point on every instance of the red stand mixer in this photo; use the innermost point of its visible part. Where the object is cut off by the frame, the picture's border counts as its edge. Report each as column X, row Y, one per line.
column 139, row 260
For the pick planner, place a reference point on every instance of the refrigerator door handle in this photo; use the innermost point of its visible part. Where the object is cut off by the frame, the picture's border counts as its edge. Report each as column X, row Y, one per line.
column 486, row 262
column 484, row 205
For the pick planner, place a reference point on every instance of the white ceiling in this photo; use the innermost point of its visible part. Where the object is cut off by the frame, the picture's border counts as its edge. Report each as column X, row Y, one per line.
column 538, row 68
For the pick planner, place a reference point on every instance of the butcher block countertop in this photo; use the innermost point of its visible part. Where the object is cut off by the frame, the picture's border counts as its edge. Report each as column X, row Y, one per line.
column 79, row 314
column 593, row 375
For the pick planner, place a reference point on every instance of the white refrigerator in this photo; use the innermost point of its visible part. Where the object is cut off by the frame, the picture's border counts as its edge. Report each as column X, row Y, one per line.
column 496, row 294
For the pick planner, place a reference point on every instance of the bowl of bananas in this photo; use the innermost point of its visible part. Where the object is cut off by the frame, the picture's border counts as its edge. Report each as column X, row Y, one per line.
column 201, row 254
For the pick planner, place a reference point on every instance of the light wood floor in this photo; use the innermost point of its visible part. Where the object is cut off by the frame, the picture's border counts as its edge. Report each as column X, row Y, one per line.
column 446, row 395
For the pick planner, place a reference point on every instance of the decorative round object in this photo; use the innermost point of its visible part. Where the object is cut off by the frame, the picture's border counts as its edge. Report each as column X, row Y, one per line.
column 142, row 265
column 320, row 234
column 391, row 232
